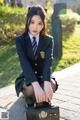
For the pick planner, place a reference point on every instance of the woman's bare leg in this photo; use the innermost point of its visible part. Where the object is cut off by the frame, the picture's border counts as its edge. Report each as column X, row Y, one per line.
column 53, row 84
column 28, row 90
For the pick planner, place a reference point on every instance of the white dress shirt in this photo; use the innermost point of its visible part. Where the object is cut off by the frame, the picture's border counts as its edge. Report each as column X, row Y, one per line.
column 31, row 38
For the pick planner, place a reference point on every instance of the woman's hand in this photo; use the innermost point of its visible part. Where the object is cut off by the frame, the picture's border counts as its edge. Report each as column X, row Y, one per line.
column 39, row 93
column 48, row 90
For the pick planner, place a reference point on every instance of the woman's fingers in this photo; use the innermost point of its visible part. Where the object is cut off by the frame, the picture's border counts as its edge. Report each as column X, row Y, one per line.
column 48, row 90
column 39, row 94
column 37, row 99
column 44, row 97
column 44, row 94
column 41, row 97
column 49, row 95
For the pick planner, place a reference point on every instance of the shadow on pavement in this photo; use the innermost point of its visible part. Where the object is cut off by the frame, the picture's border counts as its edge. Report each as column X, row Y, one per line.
column 17, row 110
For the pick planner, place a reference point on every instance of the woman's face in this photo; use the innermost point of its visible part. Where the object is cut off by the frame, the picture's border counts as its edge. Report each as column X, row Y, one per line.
column 36, row 25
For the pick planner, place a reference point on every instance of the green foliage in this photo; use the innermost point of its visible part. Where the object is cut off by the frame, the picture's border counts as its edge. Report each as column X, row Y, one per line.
column 12, row 22
column 69, row 21
column 1, row 2
column 63, row 11
column 77, row 10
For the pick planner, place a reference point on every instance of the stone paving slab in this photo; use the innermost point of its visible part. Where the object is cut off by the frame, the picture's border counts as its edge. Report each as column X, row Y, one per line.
column 7, row 91
column 70, row 107
column 67, row 72
column 69, row 115
column 65, row 98
column 5, row 101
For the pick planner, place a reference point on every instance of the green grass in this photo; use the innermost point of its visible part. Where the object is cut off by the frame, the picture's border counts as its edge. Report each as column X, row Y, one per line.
column 9, row 65
column 71, row 50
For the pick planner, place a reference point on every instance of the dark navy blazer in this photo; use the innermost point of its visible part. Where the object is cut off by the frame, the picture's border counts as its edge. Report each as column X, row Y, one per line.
column 34, row 69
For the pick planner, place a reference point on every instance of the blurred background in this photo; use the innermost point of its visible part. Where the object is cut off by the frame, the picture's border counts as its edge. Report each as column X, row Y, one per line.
column 62, row 24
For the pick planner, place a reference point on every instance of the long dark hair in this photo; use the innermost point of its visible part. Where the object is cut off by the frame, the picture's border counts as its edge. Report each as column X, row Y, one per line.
column 35, row 10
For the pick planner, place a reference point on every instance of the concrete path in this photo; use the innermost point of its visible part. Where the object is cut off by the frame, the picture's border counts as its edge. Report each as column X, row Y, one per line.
column 68, row 94
column 67, row 97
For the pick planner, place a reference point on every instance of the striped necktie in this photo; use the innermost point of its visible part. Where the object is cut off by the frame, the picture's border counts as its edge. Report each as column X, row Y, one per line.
column 34, row 45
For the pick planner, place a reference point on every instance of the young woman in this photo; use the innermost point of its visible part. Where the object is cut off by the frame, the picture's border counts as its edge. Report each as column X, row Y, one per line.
column 35, row 50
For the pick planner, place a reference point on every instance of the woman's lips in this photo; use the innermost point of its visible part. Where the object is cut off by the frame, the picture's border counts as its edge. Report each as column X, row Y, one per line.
column 35, row 31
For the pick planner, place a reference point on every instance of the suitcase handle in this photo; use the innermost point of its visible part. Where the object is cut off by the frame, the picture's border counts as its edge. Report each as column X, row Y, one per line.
column 41, row 104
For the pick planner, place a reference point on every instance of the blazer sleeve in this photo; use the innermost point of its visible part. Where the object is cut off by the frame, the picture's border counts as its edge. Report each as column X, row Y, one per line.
column 25, row 65
column 47, row 69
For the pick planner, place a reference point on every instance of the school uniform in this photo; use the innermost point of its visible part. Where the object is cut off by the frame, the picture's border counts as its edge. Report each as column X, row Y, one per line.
column 37, row 68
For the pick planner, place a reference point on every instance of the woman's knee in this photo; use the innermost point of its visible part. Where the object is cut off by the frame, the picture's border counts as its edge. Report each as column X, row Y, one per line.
column 53, row 84
column 28, row 90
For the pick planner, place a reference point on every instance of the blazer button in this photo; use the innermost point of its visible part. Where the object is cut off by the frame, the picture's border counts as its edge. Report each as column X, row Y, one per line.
column 35, row 72
column 35, row 64
column 41, row 76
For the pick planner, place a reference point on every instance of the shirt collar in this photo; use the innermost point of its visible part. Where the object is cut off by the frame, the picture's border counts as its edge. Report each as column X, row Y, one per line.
column 31, row 37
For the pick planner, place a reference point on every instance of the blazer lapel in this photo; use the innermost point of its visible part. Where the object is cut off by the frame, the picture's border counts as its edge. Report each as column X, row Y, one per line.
column 28, row 42
column 40, row 44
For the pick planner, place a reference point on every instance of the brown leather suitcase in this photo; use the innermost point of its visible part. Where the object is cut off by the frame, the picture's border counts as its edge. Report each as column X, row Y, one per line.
column 43, row 112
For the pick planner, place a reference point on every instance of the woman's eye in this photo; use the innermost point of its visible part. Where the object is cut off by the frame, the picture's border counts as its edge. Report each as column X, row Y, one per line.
column 32, row 22
column 40, row 23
